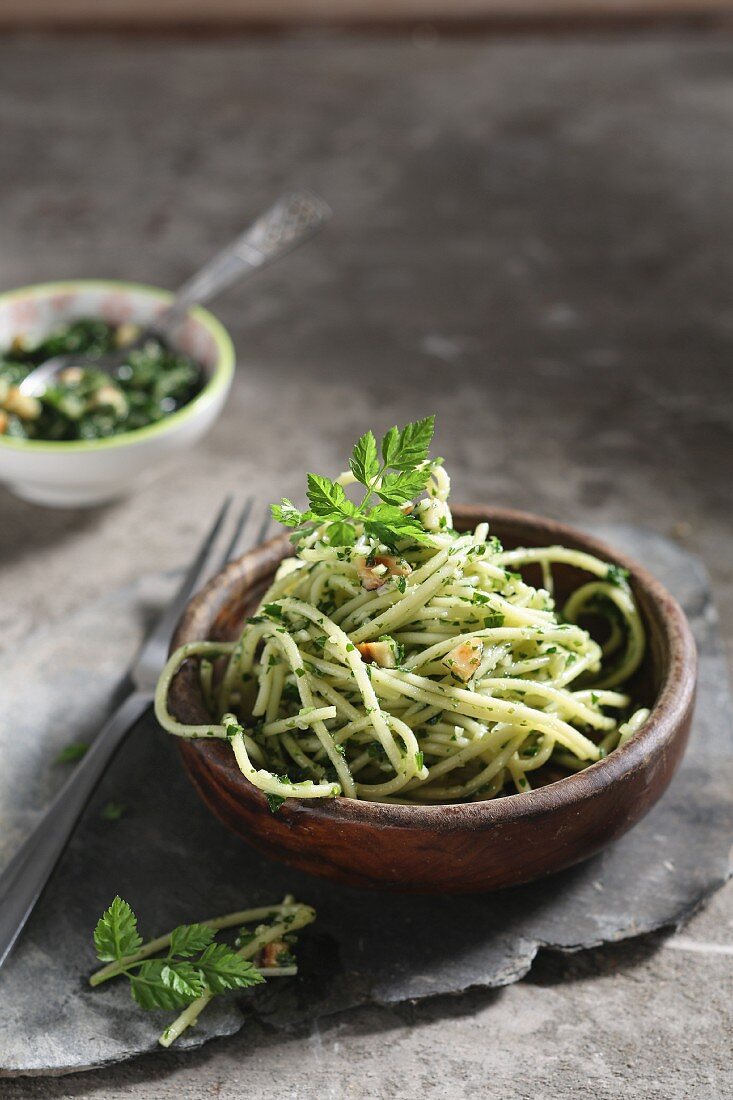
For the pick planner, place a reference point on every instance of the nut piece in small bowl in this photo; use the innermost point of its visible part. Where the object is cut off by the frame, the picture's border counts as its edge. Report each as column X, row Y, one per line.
column 466, row 847
column 78, row 473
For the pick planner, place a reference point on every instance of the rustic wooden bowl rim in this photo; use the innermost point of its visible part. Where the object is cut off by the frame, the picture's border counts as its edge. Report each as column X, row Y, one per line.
column 670, row 707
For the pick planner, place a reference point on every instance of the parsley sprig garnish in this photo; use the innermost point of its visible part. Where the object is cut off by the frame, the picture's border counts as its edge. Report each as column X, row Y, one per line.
column 394, row 474
column 193, row 964
column 189, row 968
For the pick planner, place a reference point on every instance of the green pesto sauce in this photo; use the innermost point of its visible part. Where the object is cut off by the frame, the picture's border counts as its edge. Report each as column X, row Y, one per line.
column 153, row 382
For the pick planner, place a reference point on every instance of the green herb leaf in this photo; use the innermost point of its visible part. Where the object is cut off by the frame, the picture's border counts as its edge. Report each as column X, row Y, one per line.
column 189, row 939
column 286, row 513
column 116, row 934
column 71, row 753
column 341, row 533
column 223, row 969
column 364, row 462
column 405, row 454
column 389, row 524
column 113, row 811
column 403, row 486
column 327, row 498
column 163, row 984
column 402, row 450
column 274, row 801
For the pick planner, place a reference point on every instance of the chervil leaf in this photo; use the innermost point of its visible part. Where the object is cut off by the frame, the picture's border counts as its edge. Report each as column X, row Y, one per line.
column 390, row 445
column 189, row 939
column 162, row 984
column 403, row 486
column 327, row 498
column 390, row 525
column 392, row 516
column 286, row 513
column 113, row 811
column 223, row 969
column 71, row 753
column 341, row 533
column 392, row 536
column 116, row 933
column 303, row 533
column 184, row 979
column 404, row 474
column 389, row 513
column 364, row 462
column 406, row 449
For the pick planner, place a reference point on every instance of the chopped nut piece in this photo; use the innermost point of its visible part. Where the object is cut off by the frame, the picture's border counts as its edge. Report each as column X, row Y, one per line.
column 464, row 660
column 272, row 951
column 127, row 333
column 374, row 571
column 112, row 397
column 71, row 375
column 3, row 422
column 27, row 408
column 383, row 653
column 19, row 343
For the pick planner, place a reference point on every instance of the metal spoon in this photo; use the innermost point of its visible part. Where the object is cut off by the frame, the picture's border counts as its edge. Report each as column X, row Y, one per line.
column 288, row 223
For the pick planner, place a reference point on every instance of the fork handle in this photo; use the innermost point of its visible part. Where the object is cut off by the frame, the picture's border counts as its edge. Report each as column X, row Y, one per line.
column 288, row 223
column 31, row 867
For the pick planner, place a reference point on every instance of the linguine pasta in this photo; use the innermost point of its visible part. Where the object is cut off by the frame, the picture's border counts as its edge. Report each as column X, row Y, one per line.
column 419, row 671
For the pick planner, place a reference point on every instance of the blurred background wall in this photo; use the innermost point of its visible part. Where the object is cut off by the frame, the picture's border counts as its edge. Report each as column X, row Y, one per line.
column 147, row 13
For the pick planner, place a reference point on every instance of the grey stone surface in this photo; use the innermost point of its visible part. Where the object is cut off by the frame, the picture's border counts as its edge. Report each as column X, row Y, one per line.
column 173, row 862
column 534, row 238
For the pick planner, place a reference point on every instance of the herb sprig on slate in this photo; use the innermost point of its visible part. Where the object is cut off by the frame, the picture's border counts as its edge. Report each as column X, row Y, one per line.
column 394, row 473
column 187, row 968
column 193, row 964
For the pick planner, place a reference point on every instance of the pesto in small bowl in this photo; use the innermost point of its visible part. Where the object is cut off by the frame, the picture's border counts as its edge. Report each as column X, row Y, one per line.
column 85, row 404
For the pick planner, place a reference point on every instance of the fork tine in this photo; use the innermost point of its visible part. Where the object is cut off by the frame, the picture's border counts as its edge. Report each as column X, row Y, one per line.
column 239, row 527
column 264, row 528
column 163, row 628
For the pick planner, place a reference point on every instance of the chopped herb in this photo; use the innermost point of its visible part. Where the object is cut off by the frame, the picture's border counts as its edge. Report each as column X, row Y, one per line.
column 617, row 575
column 71, row 753
column 193, row 964
column 113, row 811
column 153, row 381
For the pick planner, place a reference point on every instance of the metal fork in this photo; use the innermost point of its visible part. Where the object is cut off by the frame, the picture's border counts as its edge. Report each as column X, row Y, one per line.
column 31, row 867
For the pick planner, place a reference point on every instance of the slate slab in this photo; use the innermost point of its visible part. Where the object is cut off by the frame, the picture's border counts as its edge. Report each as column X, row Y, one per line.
column 174, row 862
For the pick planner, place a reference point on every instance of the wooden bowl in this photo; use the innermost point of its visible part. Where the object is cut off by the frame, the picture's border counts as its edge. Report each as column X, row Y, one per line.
column 458, row 848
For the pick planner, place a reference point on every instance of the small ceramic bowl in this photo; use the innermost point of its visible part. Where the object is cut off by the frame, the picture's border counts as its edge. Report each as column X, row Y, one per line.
column 87, row 473
column 478, row 846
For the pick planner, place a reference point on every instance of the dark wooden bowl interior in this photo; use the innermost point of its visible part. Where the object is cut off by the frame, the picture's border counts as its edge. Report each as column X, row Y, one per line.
column 479, row 846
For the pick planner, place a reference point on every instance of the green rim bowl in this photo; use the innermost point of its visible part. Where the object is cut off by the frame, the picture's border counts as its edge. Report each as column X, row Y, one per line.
column 92, row 472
